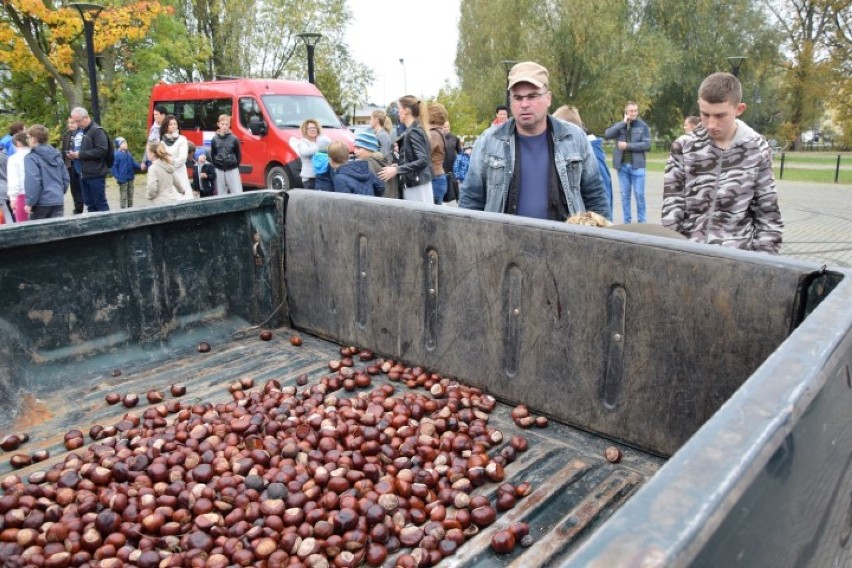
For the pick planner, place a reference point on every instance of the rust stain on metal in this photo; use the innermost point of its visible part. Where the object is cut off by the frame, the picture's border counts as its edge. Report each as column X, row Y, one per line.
column 33, row 413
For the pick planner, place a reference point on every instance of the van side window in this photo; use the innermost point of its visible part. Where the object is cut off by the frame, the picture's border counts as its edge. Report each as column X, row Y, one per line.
column 209, row 111
column 249, row 108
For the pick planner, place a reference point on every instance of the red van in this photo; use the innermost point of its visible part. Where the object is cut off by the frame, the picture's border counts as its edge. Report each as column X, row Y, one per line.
column 265, row 113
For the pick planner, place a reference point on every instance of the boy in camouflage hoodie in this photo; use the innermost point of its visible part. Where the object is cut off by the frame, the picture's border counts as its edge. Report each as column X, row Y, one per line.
column 719, row 187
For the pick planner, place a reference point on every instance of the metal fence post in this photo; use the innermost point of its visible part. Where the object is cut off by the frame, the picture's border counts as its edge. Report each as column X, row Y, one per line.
column 837, row 169
column 781, row 174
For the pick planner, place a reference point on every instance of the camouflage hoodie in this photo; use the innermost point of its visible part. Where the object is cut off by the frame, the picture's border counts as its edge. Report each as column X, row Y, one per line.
column 723, row 197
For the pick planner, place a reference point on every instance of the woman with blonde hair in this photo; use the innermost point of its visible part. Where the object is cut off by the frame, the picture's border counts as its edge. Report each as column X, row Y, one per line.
column 415, row 166
column 381, row 124
column 312, row 142
column 163, row 186
column 438, row 144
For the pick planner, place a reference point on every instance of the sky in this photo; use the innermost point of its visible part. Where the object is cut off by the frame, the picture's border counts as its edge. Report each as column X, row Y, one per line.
column 423, row 35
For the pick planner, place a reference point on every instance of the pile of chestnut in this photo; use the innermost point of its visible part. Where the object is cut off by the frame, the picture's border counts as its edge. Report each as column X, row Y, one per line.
column 277, row 476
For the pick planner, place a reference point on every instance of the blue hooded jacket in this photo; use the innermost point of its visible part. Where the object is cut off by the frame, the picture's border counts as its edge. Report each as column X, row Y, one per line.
column 356, row 177
column 124, row 167
column 46, row 177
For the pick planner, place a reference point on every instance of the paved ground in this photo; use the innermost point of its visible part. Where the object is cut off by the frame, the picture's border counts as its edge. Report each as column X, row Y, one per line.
column 817, row 217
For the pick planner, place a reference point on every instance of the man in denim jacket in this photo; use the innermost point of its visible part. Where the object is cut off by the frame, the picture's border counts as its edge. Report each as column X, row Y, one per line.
column 533, row 165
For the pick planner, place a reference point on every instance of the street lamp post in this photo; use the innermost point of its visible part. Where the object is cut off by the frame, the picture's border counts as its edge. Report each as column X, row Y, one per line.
column 92, row 10
column 404, row 77
column 311, row 39
column 736, row 62
column 508, row 64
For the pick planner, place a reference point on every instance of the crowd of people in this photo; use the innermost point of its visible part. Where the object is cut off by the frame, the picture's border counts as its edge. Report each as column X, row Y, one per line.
column 718, row 187
column 35, row 176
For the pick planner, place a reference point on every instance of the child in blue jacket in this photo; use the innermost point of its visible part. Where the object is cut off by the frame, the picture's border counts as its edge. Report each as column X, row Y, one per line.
column 124, row 171
column 355, row 176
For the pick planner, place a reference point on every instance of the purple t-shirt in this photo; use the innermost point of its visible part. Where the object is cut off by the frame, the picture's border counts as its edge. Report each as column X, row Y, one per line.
column 534, row 182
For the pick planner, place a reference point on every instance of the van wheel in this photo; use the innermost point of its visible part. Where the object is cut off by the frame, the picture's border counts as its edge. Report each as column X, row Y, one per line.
column 277, row 179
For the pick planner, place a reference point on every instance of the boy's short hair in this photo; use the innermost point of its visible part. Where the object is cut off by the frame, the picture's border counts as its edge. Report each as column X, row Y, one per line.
column 20, row 138
column 161, row 109
column 693, row 120
column 570, row 114
column 40, row 133
column 720, row 88
column 338, row 152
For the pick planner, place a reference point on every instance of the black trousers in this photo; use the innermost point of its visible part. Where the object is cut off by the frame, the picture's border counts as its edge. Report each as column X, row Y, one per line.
column 76, row 190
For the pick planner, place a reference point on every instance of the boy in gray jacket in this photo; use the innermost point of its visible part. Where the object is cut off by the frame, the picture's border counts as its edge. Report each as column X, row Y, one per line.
column 719, row 187
column 45, row 177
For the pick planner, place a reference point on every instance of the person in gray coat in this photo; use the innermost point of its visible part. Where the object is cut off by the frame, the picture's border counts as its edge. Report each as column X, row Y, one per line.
column 46, row 177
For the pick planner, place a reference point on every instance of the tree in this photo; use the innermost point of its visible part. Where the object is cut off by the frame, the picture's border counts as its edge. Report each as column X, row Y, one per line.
column 840, row 99
column 462, row 111
column 267, row 45
column 597, row 55
column 703, row 33
column 43, row 41
column 809, row 27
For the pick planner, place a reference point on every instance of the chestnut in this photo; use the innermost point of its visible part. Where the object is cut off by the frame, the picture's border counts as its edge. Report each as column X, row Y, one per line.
column 10, row 443
column 483, row 516
column 612, row 454
column 295, row 340
column 203, row 347
column 116, row 372
column 130, row 400
column 20, row 460
column 541, row 421
column 113, row 398
column 40, row 455
column 519, row 443
column 519, row 530
column 154, row 397
column 265, row 335
column 503, row 542
column 178, row 390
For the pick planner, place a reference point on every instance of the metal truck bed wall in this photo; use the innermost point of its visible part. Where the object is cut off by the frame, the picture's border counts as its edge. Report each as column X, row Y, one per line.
column 737, row 365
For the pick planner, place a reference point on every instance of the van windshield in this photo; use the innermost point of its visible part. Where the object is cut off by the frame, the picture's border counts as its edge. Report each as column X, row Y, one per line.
column 289, row 111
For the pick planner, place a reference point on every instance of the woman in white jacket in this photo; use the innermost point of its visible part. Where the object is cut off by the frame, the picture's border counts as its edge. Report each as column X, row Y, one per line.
column 163, row 186
column 306, row 147
column 178, row 149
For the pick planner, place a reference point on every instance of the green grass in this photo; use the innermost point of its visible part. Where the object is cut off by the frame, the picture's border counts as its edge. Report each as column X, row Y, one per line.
column 815, row 167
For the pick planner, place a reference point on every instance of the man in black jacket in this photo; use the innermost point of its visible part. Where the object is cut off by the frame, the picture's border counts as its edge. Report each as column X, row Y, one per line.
column 88, row 153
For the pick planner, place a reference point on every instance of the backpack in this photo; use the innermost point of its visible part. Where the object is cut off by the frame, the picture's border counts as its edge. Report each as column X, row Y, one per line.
column 110, row 156
column 109, row 159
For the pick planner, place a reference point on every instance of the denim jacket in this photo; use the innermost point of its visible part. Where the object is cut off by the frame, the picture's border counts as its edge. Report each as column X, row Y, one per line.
column 492, row 164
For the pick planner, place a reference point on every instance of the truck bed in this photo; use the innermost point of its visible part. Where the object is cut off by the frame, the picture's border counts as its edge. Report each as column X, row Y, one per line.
column 574, row 487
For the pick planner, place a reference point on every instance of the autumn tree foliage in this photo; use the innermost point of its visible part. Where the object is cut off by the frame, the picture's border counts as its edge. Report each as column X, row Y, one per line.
column 44, row 40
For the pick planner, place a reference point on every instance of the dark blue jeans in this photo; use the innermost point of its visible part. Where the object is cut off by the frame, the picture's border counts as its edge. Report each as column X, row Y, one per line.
column 439, row 188
column 94, row 194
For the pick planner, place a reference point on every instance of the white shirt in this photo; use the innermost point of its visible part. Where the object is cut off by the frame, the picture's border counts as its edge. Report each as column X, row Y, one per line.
column 15, row 173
